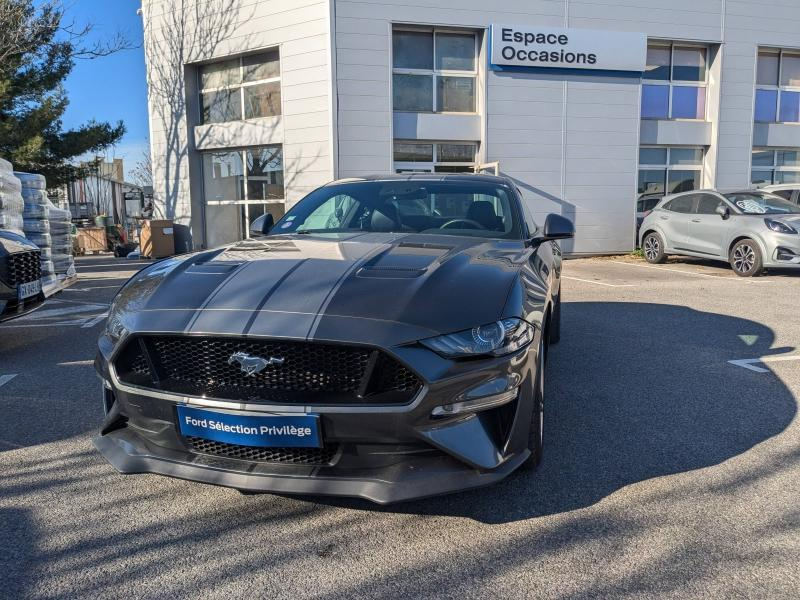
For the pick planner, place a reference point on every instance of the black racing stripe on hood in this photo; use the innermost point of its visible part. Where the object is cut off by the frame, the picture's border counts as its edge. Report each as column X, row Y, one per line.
column 378, row 250
column 269, row 293
column 233, row 273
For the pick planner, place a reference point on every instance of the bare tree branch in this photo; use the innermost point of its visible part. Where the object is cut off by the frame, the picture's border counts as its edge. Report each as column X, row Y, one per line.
column 25, row 24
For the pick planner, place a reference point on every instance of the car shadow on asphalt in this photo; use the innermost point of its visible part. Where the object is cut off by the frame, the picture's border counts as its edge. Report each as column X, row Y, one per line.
column 635, row 391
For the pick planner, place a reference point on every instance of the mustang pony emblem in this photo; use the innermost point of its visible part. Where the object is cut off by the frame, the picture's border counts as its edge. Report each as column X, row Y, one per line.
column 251, row 365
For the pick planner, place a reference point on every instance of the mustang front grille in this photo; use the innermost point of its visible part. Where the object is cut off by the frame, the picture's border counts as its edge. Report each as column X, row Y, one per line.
column 22, row 267
column 234, row 369
column 294, row 456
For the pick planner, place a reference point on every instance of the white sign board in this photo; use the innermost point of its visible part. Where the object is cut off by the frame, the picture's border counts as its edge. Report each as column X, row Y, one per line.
column 516, row 46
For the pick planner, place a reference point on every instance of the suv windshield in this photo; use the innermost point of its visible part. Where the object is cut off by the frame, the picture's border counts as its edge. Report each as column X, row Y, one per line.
column 479, row 208
column 762, row 203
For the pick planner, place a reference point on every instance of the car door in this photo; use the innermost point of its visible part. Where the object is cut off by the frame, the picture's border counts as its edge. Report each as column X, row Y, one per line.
column 673, row 219
column 707, row 229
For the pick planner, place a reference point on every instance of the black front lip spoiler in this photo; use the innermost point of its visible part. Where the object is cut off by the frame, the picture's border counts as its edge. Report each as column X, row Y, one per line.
column 27, row 309
column 417, row 478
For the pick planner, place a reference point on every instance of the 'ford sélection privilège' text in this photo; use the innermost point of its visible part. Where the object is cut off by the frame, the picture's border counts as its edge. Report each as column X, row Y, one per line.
column 387, row 338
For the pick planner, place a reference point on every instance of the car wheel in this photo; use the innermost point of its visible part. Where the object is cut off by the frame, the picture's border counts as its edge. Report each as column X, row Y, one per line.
column 555, row 322
column 745, row 258
column 536, row 435
column 653, row 248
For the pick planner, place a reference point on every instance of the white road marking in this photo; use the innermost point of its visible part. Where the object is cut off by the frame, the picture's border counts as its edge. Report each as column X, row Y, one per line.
column 91, row 289
column 73, row 322
column 4, row 379
column 89, row 265
column 598, row 282
column 718, row 277
column 76, row 363
column 79, row 302
column 749, row 363
column 95, row 321
column 58, row 312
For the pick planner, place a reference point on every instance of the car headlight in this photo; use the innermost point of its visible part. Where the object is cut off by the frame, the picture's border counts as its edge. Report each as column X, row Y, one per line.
column 779, row 226
column 494, row 339
column 115, row 328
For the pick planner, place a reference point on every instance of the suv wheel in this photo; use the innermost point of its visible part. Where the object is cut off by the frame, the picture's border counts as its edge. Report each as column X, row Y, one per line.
column 653, row 248
column 745, row 258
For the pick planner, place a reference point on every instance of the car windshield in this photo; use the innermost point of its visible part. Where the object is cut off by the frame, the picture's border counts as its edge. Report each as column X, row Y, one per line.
column 762, row 203
column 470, row 208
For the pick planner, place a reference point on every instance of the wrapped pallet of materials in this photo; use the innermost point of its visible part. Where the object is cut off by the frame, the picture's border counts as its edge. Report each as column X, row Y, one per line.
column 61, row 234
column 35, row 213
column 11, row 203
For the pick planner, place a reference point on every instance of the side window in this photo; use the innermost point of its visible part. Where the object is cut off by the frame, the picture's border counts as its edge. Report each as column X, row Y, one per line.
column 786, row 194
column 681, row 204
column 707, row 204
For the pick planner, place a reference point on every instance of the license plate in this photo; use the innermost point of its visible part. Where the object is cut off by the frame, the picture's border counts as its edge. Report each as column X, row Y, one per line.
column 32, row 288
column 297, row 431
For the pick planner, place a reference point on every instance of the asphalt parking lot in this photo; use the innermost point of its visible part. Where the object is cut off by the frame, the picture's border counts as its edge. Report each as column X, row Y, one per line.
column 671, row 469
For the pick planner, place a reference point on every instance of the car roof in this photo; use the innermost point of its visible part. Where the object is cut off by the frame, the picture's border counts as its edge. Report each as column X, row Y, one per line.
column 458, row 177
column 781, row 186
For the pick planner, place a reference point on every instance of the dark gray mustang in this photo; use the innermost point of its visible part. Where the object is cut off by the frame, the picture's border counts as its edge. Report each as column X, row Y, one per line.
column 386, row 338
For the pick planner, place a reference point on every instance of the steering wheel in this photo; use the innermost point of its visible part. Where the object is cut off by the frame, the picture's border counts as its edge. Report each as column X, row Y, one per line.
column 472, row 224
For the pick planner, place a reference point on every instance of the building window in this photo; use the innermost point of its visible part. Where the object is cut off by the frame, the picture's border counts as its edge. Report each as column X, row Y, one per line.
column 238, row 187
column 241, row 88
column 434, row 71
column 668, row 170
column 430, row 157
column 775, row 166
column 674, row 82
column 778, row 87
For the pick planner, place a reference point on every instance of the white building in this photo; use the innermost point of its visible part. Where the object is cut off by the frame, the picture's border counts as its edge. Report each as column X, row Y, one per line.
column 254, row 103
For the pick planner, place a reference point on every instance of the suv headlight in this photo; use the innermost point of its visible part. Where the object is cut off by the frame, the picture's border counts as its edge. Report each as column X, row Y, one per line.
column 494, row 339
column 779, row 226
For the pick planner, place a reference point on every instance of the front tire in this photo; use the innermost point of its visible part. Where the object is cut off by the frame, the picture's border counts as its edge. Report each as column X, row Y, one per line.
column 554, row 328
column 653, row 248
column 745, row 258
column 536, row 435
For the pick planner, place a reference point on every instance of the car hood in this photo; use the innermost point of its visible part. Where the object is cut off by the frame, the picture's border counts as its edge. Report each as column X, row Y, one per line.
column 793, row 220
column 385, row 288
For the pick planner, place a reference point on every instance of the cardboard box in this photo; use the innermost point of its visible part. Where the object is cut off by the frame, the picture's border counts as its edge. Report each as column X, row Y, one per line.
column 157, row 238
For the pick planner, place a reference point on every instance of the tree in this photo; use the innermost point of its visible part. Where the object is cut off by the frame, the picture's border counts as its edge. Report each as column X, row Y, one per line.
column 38, row 49
column 142, row 171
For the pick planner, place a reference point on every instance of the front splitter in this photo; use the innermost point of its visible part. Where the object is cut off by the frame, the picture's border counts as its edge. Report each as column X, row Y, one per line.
column 408, row 480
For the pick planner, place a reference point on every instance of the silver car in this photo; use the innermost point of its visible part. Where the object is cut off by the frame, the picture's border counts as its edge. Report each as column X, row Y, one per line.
column 789, row 191
column 752, row 230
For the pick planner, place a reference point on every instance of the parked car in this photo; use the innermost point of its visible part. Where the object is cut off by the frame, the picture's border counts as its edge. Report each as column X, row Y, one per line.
column 644, row 205
column 751, row 230
column 386, row 338
column 787, row 191
column 20, row 276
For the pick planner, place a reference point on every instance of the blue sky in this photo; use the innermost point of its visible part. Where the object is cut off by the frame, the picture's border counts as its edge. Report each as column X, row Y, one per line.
column 111, row 88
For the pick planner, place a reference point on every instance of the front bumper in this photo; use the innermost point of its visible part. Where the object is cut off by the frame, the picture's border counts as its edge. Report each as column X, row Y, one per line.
column 782, row 251
column 385, row 453
column 413, row 477
column 11, row 308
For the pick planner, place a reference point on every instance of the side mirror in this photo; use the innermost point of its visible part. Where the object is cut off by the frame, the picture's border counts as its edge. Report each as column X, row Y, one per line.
column 262, row 225
column 555, row 227
column 723, row 211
